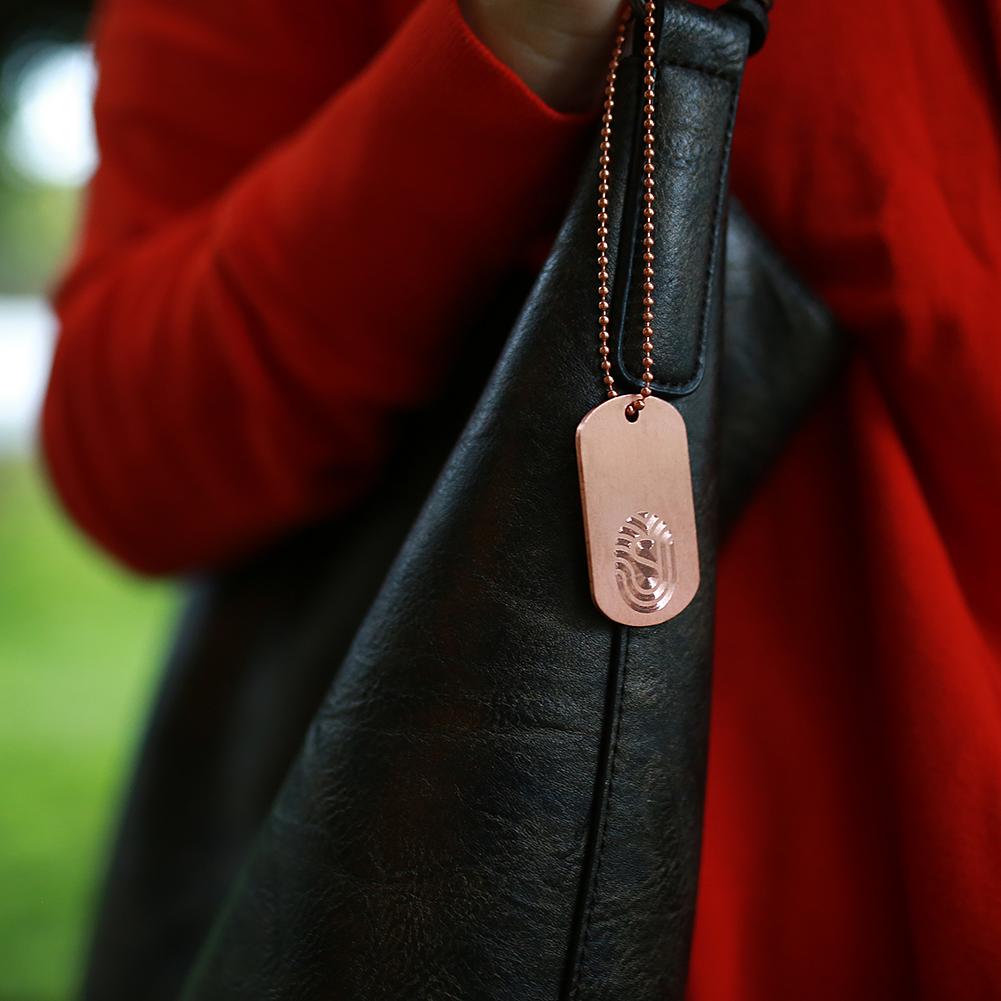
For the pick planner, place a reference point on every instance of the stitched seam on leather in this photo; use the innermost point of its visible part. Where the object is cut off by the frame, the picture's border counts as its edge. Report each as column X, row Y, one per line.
column 691, row 383
column 613, row 761
column 714, row 250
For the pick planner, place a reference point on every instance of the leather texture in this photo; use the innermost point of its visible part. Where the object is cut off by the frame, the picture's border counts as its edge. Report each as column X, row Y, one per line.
column 402, row 756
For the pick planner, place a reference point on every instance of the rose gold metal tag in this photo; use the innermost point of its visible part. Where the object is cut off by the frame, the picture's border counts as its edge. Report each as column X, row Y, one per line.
column 639, row 514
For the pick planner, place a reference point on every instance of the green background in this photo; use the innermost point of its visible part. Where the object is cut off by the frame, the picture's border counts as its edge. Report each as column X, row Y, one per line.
column 80, row 642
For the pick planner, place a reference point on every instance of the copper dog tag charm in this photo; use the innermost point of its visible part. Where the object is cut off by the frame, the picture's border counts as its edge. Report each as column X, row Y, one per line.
column 639, row 514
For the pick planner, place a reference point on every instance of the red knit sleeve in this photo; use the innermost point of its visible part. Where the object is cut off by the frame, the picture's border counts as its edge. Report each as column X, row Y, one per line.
column 258, row 297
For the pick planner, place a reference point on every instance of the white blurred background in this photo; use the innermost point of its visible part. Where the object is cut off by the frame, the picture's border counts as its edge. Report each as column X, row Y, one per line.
column 48, row 153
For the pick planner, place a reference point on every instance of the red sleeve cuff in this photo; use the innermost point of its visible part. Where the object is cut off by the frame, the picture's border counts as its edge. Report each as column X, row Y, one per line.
column 437, row 152
column 520, row 93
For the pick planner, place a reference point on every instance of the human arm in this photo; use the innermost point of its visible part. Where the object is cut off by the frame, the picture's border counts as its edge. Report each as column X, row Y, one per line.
column 269, row 278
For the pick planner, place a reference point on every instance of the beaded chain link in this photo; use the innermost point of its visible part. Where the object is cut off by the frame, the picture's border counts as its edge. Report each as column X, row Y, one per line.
column 604, row 175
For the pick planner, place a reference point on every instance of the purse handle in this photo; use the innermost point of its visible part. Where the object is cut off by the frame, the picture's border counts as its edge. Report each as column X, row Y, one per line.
column 754, row 12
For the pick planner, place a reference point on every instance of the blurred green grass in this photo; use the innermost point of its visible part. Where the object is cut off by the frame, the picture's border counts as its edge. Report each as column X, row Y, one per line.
column 79, row 647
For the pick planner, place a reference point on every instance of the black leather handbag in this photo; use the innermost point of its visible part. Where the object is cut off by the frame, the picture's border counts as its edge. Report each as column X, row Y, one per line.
column 402, row 755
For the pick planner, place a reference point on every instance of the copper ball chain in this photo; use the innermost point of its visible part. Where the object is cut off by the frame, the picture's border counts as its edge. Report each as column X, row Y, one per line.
column 604, row 174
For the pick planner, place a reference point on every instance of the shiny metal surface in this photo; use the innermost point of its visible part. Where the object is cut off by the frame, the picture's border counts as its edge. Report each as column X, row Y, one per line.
column 639, row 513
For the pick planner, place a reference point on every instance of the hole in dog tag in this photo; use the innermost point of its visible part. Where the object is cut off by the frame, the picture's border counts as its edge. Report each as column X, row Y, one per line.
column 639, row 513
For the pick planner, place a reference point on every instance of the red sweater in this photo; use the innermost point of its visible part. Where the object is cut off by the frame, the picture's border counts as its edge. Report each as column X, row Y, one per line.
column 298, row 206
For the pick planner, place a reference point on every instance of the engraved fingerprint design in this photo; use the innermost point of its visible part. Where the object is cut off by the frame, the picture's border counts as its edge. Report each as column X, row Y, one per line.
column 645, row 567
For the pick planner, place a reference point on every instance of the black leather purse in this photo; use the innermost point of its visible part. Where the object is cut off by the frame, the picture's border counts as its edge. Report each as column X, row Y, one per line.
column 402, row 755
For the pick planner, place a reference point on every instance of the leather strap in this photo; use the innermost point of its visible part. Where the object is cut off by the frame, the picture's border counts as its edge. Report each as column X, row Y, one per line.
column 754, row 12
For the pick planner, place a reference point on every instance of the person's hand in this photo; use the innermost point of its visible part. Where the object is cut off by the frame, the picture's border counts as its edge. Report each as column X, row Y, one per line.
column 558, row 47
